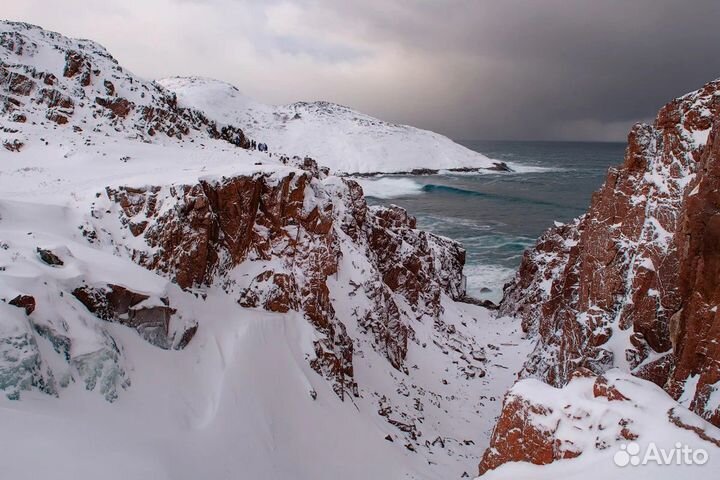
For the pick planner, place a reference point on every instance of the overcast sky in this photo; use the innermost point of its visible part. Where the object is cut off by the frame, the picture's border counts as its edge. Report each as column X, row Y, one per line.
column 471, row 69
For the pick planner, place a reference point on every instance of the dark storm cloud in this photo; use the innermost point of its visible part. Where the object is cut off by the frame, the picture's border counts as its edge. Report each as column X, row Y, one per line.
column 539, row 69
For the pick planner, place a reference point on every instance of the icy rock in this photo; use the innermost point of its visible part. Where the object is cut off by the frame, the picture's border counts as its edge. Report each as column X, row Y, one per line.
column 21, row 365
column 102, row 370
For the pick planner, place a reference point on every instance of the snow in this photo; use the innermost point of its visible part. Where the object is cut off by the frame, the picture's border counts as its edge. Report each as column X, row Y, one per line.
column 336, row 136
column 589, row 423
column 238, row 397
column 238, row 400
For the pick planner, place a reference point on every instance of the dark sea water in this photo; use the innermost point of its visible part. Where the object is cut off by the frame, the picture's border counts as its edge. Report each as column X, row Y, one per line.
column 498, row 215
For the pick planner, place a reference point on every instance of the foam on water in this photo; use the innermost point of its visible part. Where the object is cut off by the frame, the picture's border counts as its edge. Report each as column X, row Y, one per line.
column 486, row 280
column 524, row 168
column 389, row 187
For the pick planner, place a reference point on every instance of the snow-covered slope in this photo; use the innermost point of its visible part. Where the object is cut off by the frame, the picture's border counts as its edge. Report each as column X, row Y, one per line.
column 612, row 426
column 50, row 83
column 336, row 136
column 173, row 305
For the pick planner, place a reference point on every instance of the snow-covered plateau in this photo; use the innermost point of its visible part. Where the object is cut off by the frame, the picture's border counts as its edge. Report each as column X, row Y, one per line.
column 177, row 305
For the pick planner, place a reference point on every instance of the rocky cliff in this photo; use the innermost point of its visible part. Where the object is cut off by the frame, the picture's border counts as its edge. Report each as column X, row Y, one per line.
column 275, row 241
column 618, row 286
column 632, row 283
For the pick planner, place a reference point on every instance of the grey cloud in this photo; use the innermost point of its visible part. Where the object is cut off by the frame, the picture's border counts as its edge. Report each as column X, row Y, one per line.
column 533, row 69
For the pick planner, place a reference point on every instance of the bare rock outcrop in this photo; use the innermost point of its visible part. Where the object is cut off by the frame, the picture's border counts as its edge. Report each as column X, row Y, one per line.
column 149, row 316
column 633, row 282
column 277, row 241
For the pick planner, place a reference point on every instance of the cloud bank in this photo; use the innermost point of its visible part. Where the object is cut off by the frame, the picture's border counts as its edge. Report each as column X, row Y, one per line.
column 471, row 69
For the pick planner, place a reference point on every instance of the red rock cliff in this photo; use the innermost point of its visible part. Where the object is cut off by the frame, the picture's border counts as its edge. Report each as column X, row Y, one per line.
column 633, row 282
column 277, row 241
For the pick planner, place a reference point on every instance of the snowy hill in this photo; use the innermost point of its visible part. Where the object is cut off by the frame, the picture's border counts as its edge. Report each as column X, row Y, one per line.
column 173, row 305
column 51, row 82
column 336, row 136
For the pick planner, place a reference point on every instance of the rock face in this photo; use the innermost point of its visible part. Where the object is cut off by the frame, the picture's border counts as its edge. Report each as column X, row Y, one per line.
column 633, row 282
column 276, row 241
column 517, row 438
column 695, row 328
column 149, row 316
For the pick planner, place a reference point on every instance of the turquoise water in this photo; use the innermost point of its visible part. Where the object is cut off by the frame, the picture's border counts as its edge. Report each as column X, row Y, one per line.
column 498, row 215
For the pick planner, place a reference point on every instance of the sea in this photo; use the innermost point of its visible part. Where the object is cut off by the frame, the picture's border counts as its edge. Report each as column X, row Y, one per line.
column 498, row 215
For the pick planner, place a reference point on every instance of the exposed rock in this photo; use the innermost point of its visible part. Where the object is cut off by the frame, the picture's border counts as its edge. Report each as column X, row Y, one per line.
column 86, row 86
column 489, row 304
column 16, row 83
column 49, row 257
column 109, row 88
column 56, row 117
column 640, row 264
column 279, row 296
column 55, row 99
column 695, row 328
column 517, row 438
column 698, row 429
column 76, row 64
column 13, row 146
column 150, row 317
column 120, row 107
column 291, row 229
column 496, row 167
column 14, row 42
column 601, row 388
column 26, row 302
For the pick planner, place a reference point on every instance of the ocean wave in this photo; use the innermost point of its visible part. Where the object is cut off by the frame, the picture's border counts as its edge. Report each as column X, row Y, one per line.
column 486, row 281
column 525, row 168
column 447, row 189
column 387, row 187
column 431, row 187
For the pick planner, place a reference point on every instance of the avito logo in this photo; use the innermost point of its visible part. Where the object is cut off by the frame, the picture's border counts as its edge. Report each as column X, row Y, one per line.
column 630, row 454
